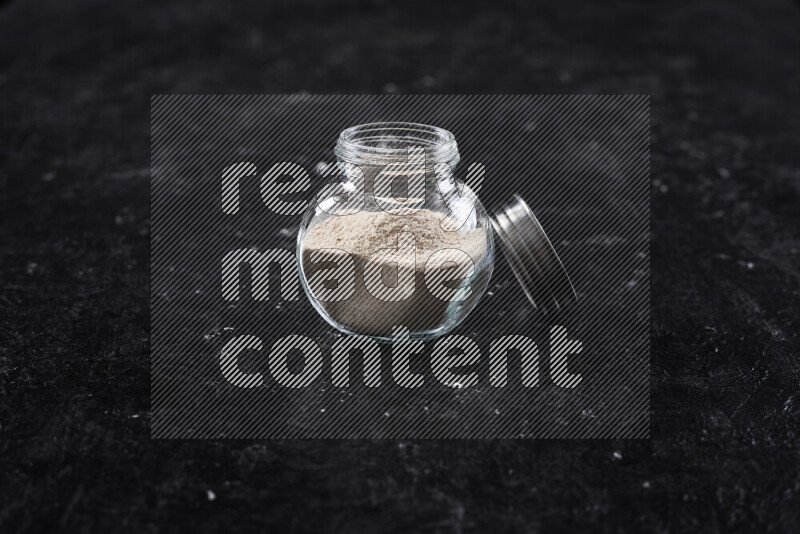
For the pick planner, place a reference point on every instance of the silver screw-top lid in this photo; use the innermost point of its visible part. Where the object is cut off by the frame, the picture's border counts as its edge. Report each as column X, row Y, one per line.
column 532, row 257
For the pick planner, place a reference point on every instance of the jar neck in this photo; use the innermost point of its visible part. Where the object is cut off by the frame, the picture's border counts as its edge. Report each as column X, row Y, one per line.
column 383, row 144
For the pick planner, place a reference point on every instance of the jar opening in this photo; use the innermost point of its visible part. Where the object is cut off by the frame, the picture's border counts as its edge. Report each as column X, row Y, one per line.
column 384, row 143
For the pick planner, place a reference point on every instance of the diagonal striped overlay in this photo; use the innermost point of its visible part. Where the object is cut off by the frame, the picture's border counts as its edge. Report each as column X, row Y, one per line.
column 254, row 359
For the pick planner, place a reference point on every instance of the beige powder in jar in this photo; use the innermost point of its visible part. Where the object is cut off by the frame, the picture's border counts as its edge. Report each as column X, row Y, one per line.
column 363, row 233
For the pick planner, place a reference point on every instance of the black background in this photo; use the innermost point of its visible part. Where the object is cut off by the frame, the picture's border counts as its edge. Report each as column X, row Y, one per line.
column 75, row 86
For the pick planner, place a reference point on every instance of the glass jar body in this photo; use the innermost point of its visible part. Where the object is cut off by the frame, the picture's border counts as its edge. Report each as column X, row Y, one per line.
column 395, row 245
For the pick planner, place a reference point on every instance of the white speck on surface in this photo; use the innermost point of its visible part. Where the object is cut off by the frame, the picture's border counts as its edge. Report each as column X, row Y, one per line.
column 617, row 455
column 646, row 484
column 497, row 412
column 216, row 332
column 386, row 414
column 322, row 410
column 211, row 496
column 31, row 267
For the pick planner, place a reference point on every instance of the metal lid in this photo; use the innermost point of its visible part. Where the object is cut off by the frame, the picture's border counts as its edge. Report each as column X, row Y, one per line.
column 532, row 258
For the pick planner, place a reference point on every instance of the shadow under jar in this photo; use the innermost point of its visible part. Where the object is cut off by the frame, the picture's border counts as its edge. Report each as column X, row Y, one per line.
column 396, row 240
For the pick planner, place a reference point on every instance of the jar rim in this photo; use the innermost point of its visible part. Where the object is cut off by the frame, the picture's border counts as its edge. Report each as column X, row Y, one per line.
column 382, row 143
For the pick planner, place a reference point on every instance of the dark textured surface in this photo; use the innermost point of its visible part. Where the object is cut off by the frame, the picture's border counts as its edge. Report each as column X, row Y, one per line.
column 75, row 83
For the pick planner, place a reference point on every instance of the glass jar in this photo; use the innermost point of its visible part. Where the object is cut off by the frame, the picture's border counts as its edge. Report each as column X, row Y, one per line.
column 396, row 241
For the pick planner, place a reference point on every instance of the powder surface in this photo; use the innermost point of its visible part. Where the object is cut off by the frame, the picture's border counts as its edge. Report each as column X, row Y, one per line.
column 366, row 232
